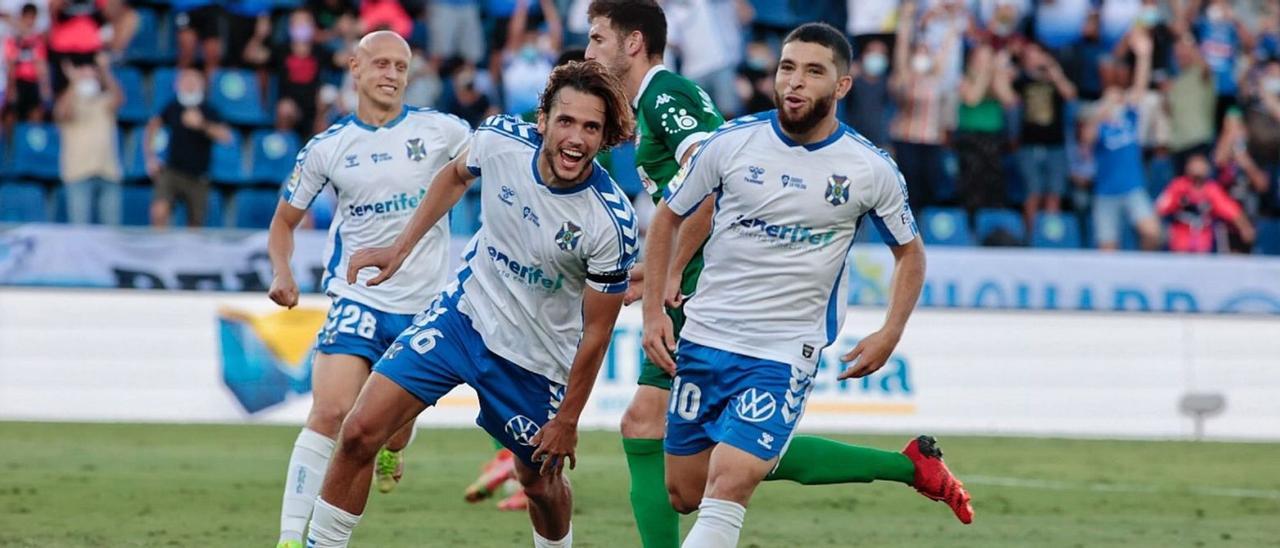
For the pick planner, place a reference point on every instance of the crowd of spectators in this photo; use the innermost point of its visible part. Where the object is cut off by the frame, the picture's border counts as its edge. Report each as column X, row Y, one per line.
column 1153, row 124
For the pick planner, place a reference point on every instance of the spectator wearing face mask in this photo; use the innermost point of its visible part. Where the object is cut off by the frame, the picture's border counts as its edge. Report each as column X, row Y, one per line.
column 192, row 126
column 301, row 64
column 528, row 57
column 867, row 104
column 90, row 168
column 871, row 21
column 917, row 86
column 1194, row 205
column 466, row 101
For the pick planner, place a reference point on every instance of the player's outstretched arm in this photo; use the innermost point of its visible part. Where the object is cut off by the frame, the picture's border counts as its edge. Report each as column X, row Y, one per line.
column 448, row 186
column 658, row 340
column 873, row 351
column 284, row 290
column 558, row 439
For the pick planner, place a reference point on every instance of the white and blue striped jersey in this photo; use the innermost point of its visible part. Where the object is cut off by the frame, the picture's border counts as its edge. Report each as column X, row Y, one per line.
column 538, row 248
column 380, row 175
column 774, row 284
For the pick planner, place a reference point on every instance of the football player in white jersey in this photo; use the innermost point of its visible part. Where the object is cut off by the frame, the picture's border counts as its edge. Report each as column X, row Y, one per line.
column 379, row 161
column 529, row 319
column 792, row 186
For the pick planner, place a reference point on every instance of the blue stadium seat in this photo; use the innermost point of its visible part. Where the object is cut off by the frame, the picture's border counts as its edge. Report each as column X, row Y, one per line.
column 234, row 94
column 1056, row 230
column 136, row 202
column 162, row 81
column 135, row 109
column 272, row 155
column 35, row 151
column 988, row 221
column 254, row 207
column 135, row 163
column 226, row 164
column 945, row 226
column 145, row 46
column 23, row 203
column 1268, row 242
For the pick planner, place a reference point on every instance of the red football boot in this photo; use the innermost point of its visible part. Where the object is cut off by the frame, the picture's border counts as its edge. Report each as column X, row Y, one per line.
column 494, row 473
column 934, row 481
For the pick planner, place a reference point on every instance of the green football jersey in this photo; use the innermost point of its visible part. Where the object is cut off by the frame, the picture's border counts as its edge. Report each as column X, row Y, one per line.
column 672, row 114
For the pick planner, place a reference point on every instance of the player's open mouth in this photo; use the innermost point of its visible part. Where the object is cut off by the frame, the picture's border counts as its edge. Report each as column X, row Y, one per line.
column 794, row 102
column 570, row 159
column 387, row 88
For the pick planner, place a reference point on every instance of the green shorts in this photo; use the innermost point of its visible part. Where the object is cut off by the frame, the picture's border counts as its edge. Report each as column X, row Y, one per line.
column 650, row 373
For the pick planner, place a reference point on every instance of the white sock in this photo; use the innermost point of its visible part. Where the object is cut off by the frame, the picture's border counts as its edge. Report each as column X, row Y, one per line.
column 307, row 465
column 566, row 542
column 719, row 523
column 330, row 526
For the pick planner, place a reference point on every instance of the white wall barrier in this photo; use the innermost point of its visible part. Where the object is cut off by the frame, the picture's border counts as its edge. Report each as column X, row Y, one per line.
column 988, row 278
column 198, row 357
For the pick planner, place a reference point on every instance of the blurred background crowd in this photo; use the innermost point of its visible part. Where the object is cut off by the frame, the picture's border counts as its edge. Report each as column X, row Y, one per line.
column 1110, row 124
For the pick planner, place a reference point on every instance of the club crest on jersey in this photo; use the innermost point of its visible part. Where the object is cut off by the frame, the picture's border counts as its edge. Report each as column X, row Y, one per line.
column 756, row 405
column 837, row 190
column 522, row 429
column 755, row 176
column 416, row 149
column 568, row 236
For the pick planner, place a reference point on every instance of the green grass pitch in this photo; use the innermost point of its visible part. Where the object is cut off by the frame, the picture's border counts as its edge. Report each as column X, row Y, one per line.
column 167, row 485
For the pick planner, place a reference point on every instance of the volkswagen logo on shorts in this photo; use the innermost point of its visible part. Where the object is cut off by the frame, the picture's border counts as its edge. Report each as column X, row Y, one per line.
column 522, row 429
column 756, row 405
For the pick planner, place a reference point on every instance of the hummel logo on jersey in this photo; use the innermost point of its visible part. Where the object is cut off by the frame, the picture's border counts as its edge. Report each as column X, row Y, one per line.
column 766, row 440
column 837, row 190
column 663, row 99
column 506, row 195
column 392, row 351
column 567, row 238
column 379, row 157
column 352, row 160
column 756, row 405
column 792, row 182
column 415, row 149
column 755, row 176
column 530, row 216
column 522, row 430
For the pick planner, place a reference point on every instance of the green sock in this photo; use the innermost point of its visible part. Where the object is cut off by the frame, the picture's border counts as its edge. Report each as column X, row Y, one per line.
column 657, row 522
column 497, row 445
column 811, row 460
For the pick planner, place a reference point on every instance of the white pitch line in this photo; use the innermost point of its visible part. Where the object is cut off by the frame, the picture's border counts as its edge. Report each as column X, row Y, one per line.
column 1052, row 485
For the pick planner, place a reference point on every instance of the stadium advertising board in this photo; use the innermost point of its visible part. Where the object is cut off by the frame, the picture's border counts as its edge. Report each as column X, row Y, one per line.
column 52, row 255
column 95, row 355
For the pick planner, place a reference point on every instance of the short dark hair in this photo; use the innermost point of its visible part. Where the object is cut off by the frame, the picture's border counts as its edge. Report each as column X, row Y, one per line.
column 593, row 78
column 827, row 36
column 571, row 54
column 29, row 9
column 627, row 16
